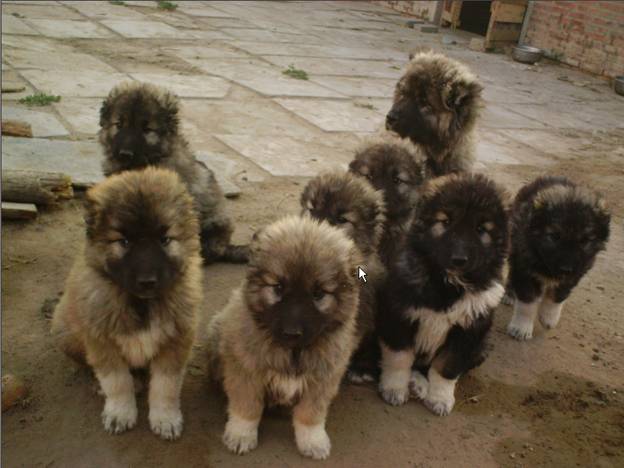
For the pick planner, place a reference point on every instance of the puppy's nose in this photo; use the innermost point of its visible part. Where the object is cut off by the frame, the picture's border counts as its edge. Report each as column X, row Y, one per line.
column 147, row 282
column 566, row 269
column 292, row 333
column 126, row 153
column 392, row 117
column 459, row 261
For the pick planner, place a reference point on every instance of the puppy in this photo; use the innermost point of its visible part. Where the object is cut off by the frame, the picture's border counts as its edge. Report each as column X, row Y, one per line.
column 351, row 204
column 132, row 296
column 438, row 299
column 557, row 230
column 394, row 167
column 436, row 105
column 139, row 127
column 286, row 336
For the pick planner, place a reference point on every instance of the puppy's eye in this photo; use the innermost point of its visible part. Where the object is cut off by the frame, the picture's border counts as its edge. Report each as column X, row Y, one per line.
column 278, row 289
column 398, row 181
column 318, row 294
column 553, row 237
column 342, row 220
column 123, row 242
column 481, row 228
column 369, row 177
column 164, row 241
column 445, row 221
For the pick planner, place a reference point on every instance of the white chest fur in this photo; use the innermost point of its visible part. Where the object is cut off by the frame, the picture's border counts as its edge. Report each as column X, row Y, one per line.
column 283, row 390
column 433, row 326
column 139, row 348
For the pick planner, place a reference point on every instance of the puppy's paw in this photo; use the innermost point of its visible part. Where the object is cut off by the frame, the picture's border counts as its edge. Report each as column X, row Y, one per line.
column 395, row 396
column 312, row 441
column 240, row 436
column 508, row 298
column 440, row 404
column 549, row 315
column 119, row 415
column 520, row 330
column 166, row 422
column 358, row 377
column 418, row 385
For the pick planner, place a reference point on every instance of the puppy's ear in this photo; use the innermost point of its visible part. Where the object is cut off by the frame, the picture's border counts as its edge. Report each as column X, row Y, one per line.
column 105, row 111
column 462, row 95
column 171, row 107
column 91, row 213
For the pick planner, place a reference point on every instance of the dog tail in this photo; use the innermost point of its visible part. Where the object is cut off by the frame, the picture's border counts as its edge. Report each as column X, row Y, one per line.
column 235, row 254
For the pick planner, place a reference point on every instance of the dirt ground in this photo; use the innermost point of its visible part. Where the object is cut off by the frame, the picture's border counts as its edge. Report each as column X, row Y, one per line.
column 555, row 401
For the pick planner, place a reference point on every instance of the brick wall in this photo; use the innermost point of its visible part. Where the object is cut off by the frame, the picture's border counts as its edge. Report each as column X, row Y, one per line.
column 584, row 34
column 424, row 9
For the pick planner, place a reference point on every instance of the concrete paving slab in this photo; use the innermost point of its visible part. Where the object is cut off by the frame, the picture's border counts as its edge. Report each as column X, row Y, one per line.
column 43, row 124
column 13, row 25
column 335, row 116
column 288, row 156
column 207, row 35
column 83, row 114
column 553, row 115
column 494, row 147
column 144, row 29
column 64, row 59
column 495, row 116
column 105, row 10
column 242, row 117
column 74, row 83
column 29, row 2
column 203, row 11
column 358, row 87
column 225, row 23
column 66, row 29
column 36, row 12
column 198, row 86
column 11, row 77
column 303, row 49
column 550, row 141
column 79, row 159
column 264, row 36
column 200, row 52
column 339, row 67
column 222, row 168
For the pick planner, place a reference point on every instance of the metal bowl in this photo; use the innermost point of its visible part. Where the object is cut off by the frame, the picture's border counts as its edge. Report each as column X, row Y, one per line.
column 618, row 84
column 526, row 54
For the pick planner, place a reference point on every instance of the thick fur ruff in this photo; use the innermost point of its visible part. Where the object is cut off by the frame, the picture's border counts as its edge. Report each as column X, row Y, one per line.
column 440, row 293
column 301, row 276
column 101, row 320
column 558, row 228
column 436, row 106
column 139, row 127
column 396, row 168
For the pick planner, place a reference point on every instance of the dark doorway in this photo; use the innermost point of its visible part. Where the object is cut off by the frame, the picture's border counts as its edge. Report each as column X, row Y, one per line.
column 475, row 16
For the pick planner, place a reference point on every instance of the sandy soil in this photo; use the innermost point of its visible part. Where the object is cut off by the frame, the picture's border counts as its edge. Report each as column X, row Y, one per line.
column 558, row 400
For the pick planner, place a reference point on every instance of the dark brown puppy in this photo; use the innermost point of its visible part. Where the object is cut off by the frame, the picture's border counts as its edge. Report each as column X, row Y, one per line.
column 558, row 229
column 353, row 205
column 132, row 297
column 396, row 168
column 287, row 333
column 139, row 127
column 436, row 105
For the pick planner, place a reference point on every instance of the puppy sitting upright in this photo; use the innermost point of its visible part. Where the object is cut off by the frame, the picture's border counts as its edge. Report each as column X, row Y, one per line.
column 395, row 168
column 132, row 297
column 351, row 204
column 438, row 300
column 436, row 105
column 139, row 127
column 286, row 336
column 557, row 230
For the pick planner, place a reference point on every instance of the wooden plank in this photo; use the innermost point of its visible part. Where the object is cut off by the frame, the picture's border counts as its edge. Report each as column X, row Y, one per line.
column 16, row 128
column 42, row 188
column 509, row 13
column 509, row 32
column 12, row 210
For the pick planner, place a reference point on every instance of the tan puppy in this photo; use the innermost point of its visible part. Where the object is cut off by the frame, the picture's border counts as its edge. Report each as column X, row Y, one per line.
column 132, row 296
column 287, row 334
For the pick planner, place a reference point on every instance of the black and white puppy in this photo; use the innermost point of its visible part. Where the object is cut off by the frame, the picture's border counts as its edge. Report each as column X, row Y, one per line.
column 436, row 308
column 557, row 230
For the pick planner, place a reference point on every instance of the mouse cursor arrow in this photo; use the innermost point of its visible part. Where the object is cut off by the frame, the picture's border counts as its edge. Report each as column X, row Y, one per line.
column 361, row 274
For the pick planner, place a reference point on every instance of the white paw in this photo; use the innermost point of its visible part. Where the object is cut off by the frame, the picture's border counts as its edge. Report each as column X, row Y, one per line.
column 440, row 405
column 395, row 396
column 119, row 415
column 549, row 314
column 240, row 436
column 356, row 377
column 508, row 298
column 312, row 441
column 418, row 385
column 166, row 422
column 520, row 330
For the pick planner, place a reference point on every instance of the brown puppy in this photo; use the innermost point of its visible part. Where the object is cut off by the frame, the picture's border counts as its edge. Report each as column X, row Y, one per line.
column 396, row 168
column 139, row 127
column 436, row 105
column 287, row 334
column 353, row 205
column 132, row 296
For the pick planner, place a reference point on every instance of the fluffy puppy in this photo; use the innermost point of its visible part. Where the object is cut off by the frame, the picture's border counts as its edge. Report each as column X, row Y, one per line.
column 351, row 204
column 139, row 127
column 286, row 336
column 395, row 168
column 436, row 105
column 557, row 230
column 439, row 295
column 132, row 296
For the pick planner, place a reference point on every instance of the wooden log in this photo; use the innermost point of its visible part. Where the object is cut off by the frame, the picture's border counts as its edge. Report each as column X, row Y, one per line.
column 13, row 390
column 42, row 188
column 13, row 87
column 12, row 210
column 16, row 128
